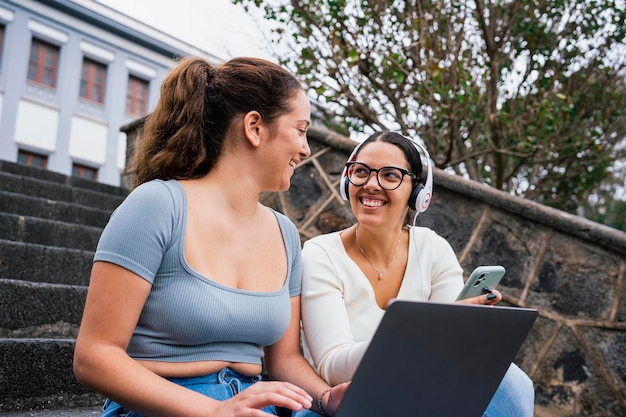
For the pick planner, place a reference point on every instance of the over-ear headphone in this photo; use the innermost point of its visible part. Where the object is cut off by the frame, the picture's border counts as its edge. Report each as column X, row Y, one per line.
column 421, row 195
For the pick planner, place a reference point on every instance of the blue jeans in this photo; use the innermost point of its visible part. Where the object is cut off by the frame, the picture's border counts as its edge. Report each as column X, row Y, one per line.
column 220, row 386
column 515, row 396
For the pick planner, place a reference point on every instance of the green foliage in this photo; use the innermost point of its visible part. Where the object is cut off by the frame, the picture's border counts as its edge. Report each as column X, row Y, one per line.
column 612, row 213
column 527, row 96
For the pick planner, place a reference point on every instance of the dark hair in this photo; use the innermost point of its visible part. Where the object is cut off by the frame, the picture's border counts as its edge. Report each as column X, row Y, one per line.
column 184, row 135
column 411, row 153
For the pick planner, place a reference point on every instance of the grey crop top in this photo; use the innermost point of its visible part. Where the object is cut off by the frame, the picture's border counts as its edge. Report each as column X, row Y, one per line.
column 188, row 317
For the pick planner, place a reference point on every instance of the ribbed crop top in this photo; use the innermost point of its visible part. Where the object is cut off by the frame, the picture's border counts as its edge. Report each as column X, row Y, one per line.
column 188, row 317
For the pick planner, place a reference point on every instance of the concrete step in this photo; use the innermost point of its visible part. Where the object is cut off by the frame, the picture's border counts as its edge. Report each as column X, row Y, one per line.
column 35, row 187
column 37, row 375
column 76, row 412
column 44, row 174
column 40, row 310
column 43, row 208
column 39, row 263
column 29, row 229
column 73, row 412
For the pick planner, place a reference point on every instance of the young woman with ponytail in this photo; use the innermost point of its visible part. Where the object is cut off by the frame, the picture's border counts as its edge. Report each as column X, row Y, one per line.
column 195, row 286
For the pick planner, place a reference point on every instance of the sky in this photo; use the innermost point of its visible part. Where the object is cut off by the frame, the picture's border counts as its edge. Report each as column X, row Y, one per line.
column 216, row 26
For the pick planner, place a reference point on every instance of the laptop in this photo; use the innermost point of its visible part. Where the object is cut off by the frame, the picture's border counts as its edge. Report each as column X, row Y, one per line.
column 436, row 360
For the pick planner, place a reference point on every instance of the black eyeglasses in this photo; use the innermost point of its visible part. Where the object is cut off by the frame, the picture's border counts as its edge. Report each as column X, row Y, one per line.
column 389, row 178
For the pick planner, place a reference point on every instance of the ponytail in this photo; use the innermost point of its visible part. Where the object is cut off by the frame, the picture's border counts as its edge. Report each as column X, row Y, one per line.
column 184, row 135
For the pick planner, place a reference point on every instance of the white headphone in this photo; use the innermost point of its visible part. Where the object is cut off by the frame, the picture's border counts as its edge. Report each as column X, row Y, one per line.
column 420, row 196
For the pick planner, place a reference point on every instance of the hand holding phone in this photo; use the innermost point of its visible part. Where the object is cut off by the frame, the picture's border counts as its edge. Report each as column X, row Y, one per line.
column 481, row 277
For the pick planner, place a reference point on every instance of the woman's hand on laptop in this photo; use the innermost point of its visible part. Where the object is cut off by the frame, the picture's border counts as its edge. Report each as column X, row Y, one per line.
column 334, row 398
column 491, row 297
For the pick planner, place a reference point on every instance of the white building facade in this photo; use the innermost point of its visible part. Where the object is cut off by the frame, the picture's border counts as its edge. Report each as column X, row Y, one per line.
column 71, row 74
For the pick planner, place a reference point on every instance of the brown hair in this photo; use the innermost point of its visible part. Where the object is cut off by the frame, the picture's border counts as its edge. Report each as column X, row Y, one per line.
column 183, row 136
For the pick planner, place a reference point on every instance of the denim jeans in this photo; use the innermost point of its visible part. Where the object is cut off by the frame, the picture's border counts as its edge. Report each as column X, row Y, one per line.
column 515, row 396
column 220, row 386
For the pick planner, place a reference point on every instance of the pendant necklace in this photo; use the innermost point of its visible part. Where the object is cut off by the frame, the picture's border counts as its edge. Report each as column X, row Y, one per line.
column 380, row 273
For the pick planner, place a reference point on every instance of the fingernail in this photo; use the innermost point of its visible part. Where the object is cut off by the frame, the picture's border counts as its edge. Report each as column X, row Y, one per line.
column 491, row 297
column 487, row 290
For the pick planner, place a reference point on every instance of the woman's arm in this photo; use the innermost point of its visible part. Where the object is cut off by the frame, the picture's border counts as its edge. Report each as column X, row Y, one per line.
column 284, row 361
column 328, row 333
column 114, row 302
column 441, row 265
column 446, row 272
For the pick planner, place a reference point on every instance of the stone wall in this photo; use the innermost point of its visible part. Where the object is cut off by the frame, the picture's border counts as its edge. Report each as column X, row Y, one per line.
column 570, row 269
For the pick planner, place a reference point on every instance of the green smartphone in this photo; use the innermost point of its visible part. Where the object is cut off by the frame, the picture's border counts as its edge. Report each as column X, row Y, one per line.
column 481, row 277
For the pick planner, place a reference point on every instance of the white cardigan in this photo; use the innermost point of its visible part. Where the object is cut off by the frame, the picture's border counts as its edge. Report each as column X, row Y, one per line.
column 339, row 309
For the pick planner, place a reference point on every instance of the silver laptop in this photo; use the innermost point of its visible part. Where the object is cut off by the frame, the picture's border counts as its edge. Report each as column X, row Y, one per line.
column 436, row 360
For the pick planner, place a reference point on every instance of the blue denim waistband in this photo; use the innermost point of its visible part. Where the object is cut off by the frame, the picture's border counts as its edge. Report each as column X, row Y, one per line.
column 225, row 376
column 233, row 381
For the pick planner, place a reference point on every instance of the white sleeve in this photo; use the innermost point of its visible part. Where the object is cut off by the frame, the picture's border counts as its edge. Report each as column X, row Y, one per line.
column 325, row 320
column 446, row 277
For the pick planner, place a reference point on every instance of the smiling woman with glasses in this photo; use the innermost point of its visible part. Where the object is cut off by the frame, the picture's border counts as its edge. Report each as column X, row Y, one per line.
column 350, row 276
column 388, row 178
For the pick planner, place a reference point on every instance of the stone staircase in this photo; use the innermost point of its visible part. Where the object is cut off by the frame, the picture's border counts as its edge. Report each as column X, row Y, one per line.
column 49, row 228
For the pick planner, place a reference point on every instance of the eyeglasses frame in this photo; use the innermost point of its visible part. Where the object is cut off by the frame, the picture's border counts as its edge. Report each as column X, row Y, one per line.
column 377, row 171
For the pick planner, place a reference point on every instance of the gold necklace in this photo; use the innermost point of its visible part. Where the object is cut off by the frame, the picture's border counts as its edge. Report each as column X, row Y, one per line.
column 380, row 273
